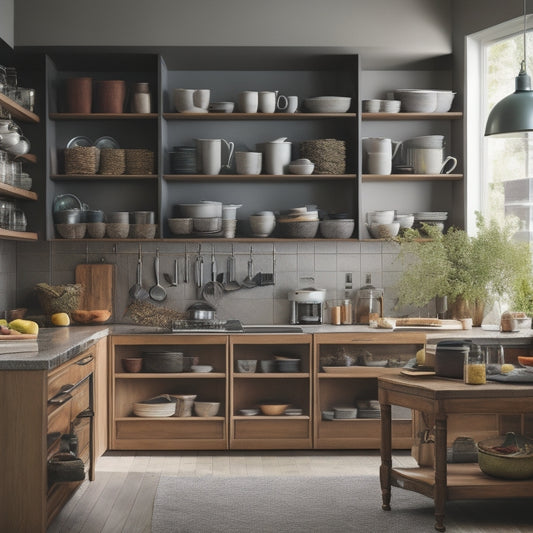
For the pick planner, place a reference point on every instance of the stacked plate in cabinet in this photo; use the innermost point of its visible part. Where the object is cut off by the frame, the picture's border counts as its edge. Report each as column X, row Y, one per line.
column 183, row 160
column 157, row 407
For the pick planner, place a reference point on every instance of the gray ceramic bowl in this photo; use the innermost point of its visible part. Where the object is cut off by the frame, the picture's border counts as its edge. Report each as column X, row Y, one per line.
column 337, row 229
column 305, row 229
column 247, row 365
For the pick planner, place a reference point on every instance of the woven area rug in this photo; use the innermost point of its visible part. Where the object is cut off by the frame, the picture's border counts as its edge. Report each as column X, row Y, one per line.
column 316, row 505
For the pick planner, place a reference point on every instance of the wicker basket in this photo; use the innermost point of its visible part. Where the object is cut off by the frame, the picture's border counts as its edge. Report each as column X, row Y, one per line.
column 139, row 161
column 82, row 160
column 112, row 161
column 328, row 155
column 59, row 298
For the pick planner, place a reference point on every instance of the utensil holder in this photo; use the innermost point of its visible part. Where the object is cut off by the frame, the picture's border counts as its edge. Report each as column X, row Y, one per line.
column 110, row 95
column 79, row 95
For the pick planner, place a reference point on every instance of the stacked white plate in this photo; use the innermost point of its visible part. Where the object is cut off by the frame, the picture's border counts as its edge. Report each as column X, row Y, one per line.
column 433, row 216
column 158, row 407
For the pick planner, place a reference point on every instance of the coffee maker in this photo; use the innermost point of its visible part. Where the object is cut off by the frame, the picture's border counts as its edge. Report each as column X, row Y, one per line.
column 307, row 305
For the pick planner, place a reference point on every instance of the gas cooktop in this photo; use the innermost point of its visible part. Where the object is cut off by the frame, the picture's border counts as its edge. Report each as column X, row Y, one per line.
column 207, row 326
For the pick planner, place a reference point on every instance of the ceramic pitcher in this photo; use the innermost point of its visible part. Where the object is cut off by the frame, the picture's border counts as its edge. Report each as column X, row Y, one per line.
column 209, row 155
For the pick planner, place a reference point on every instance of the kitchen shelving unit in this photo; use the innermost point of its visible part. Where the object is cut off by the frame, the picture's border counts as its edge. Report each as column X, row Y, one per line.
column 357, row 383
column 20, row 114
column 248, row 390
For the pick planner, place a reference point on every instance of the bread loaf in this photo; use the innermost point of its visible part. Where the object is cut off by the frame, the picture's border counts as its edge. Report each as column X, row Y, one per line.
column 416, row 321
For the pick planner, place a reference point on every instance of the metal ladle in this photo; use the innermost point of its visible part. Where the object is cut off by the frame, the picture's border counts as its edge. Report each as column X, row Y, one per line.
column 231, row 284
column 157, row 292
column 138, row 292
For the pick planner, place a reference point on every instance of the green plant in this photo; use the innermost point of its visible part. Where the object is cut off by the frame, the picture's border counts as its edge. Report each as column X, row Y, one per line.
column 476, row 269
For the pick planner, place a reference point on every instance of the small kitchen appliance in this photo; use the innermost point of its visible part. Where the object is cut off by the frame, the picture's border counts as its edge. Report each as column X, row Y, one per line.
column 307, row 305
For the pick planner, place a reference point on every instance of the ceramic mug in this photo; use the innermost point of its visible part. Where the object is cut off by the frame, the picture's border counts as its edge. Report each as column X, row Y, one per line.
column 267, row 101
column 292, row 104
column 432, row 161
column 209, row 155
column 191, row 100
column 248, row 101
column 248, row 162
column 379, row 163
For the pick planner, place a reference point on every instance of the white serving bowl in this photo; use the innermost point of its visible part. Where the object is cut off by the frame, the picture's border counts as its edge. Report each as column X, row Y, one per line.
column 201, row 368
column 444, row 101
column 417, row 101
column 202, row 210
column 221, row 107
column 262, row 226
column 206, row 408
column 328, row 104
column 405, row 221
column 383, row 231
column 301, row 166
column 381, row 217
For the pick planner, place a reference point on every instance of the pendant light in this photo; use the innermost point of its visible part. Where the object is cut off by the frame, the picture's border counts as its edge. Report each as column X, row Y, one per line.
column 513, row 116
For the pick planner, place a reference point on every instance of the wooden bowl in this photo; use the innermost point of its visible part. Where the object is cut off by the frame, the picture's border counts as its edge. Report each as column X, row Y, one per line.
column 525, row 361
column 273, row 409
column 132, row 364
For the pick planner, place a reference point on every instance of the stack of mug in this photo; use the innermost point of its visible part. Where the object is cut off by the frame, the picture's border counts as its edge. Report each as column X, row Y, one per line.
column 426, row 155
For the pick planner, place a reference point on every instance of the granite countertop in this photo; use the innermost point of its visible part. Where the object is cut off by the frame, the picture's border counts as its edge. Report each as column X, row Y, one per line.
column 59, row 344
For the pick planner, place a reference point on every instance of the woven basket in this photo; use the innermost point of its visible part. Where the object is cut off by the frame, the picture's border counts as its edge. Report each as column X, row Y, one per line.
column 82, row 160
column 328, row 155
column 139, row 161
column 112, row 161
column 59, row 298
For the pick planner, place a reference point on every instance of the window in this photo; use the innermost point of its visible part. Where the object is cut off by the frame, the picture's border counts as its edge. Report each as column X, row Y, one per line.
column 500, row 170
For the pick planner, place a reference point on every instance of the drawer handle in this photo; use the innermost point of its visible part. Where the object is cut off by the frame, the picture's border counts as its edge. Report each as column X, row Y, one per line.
column 59, row 399
column 85, row 360
column 86, row 413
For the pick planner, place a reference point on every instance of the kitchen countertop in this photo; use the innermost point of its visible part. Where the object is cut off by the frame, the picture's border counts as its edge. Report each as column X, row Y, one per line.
column 59, row 344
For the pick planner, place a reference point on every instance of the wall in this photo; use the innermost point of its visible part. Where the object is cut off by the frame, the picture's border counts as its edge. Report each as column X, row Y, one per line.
column 7, row 24
column 411, row 29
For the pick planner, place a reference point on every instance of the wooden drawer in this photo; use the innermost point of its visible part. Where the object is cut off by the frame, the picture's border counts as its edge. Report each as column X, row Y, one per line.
column 81, row 398
column 170, row 429
column 283, row 428
column 70, row 373
column 81, row 427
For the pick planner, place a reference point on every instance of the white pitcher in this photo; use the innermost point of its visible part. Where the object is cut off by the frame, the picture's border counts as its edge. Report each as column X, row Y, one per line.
column 191, row 100
column 381, row 145
column 209, row 155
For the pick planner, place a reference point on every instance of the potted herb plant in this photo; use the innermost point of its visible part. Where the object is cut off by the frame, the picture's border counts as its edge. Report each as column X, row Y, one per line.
column 472, row 272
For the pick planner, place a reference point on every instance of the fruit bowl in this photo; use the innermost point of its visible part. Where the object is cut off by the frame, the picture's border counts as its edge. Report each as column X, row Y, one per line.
column 507, row 456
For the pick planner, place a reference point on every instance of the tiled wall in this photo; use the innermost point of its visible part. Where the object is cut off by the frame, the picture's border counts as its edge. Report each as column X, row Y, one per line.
column 297, row 265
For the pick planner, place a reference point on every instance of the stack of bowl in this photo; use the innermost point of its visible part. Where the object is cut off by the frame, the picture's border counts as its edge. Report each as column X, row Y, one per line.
column 118, row 225
column 425, row 100
column 204, row 218
column 299, row 223
column 338, row 228
column 382, row 224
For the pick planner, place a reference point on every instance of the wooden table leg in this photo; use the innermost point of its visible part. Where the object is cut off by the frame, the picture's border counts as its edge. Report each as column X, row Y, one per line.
column 440, row 471
column 386, row 456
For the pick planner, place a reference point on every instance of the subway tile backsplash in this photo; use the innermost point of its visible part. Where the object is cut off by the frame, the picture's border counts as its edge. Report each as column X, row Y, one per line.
column 296, row 265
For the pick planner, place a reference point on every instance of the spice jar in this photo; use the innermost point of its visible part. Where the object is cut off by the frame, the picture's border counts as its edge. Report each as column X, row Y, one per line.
column 140, row 102
column 475, row 372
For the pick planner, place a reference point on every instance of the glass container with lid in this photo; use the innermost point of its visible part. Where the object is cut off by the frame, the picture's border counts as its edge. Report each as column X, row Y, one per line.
column 368, row 303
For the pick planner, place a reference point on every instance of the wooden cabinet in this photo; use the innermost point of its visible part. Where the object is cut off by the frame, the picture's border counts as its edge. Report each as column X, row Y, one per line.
column 130, row 432
column 38, row 407
column 341, row 386
column 19, row 114
column 249, row 390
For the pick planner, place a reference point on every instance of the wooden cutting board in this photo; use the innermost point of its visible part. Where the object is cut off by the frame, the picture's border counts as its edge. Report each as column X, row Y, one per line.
column 97, row 280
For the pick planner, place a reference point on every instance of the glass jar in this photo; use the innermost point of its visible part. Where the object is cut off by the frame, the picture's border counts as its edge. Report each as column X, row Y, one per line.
column 7, row 208
column 475, row 371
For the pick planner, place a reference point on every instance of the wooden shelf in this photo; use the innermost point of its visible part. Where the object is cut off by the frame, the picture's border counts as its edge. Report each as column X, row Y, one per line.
column 170, row 419
column 182, row 375
column 16, row 192
column 411, row 177
column 102, row 116
column 452, row 115
column 28, row 158
column 104, row 177
column 17, row 235
column 264, row 417
column 17, row 111
column 273, row 375
column 259, row 177
column 257, row 116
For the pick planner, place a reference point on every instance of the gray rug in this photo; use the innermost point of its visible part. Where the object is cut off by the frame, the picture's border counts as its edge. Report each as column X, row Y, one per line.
column 316, row 505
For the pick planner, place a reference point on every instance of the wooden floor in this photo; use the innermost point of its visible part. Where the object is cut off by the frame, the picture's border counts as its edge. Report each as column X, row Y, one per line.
column 122, row 495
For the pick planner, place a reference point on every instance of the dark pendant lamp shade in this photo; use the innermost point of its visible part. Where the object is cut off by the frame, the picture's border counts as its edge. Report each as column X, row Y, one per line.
column 513, row 116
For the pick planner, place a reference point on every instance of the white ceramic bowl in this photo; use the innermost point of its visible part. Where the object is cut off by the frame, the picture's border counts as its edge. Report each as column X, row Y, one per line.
column 305, row 168
column 328, row 104
column 262, row 226
column 444, row 101
column 221, row 107
column 206, row 408
column 417, row 101
column 201, row 368
column 390, row 106
column 180, row 226
column 381, row 217
column 383, row 231
column 203, row 210
column 405, row 221
column 247, row 365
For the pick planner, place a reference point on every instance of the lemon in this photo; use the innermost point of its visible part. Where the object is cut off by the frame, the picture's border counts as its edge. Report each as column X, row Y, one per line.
column 421, row 357
column 60, row 319
column 507, row 367
column 24, row 326
column 3, row 322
